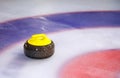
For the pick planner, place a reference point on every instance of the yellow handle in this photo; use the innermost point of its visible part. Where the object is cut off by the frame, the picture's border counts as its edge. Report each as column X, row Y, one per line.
column 39, row 40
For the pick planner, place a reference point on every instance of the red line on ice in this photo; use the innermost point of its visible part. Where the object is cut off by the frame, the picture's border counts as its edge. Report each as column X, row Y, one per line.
column 101, row 64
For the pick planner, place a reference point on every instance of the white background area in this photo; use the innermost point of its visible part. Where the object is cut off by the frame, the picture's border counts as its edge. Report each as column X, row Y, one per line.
column 68, row 45
column 12, row 9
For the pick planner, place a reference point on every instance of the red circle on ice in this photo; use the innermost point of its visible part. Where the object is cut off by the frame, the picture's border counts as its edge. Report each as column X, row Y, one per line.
column 101, row 64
